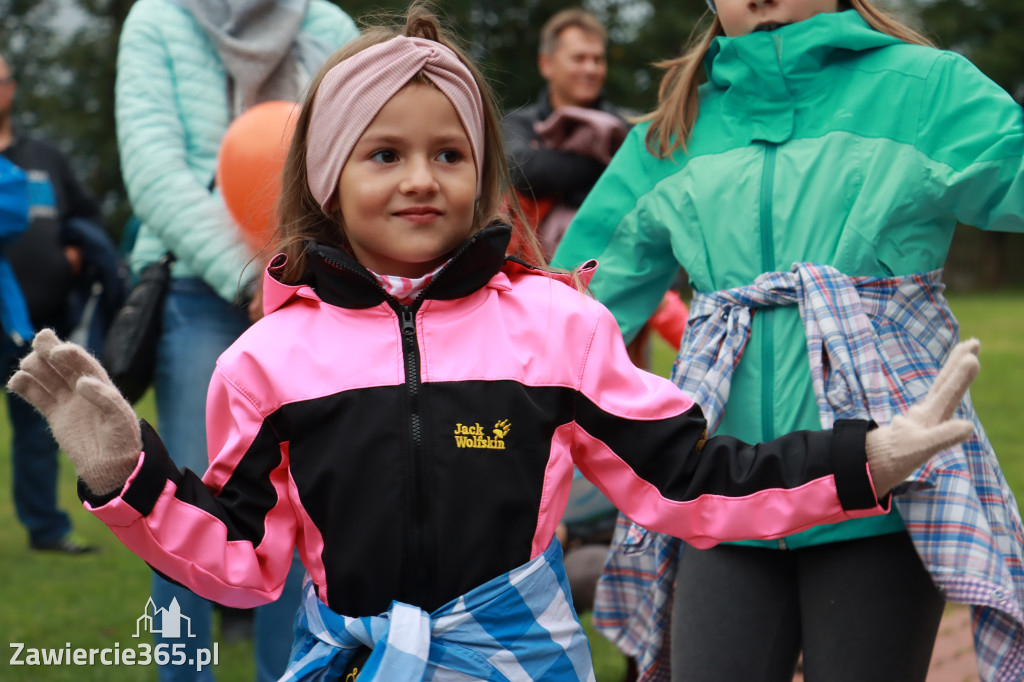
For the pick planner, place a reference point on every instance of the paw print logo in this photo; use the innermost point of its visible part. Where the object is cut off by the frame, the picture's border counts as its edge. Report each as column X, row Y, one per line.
column 501, row 429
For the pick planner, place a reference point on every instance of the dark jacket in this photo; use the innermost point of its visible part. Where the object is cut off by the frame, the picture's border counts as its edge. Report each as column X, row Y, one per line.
column 102, row 264
column 55, row 196
column 14, row 321
column 543, row 173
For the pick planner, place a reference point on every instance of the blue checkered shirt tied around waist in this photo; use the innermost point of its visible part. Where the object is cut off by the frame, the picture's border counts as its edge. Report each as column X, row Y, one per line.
column 875, row 346
column 518, row 627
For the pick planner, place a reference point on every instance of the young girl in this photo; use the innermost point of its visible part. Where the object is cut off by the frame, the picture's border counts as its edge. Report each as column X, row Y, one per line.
column 810, row 189
column 409, row 411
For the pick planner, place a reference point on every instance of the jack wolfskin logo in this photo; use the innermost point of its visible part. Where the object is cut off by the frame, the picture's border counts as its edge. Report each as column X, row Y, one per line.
column 474, row 436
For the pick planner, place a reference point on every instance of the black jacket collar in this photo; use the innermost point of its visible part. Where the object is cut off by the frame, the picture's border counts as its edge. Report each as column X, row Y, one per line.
column 340, row 280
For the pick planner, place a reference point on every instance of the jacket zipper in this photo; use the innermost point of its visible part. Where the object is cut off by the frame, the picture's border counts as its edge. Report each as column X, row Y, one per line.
column 418, row 550
column 420, row 554
column 767, row 265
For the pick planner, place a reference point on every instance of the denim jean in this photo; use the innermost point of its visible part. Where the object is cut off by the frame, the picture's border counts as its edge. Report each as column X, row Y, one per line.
column 35, row 458
column 198, row 327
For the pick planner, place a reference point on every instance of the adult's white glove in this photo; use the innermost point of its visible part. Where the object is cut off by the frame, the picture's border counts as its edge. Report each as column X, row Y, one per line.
column 896, row 449
column 90, row 419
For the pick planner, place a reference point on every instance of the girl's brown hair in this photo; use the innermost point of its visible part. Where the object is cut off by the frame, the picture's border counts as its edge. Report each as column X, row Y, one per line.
column 301, row 220
column 673, row 120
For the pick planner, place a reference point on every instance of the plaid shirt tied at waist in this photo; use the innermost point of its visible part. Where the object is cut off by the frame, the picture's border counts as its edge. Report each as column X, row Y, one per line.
column 517, row 627
column 875, row 346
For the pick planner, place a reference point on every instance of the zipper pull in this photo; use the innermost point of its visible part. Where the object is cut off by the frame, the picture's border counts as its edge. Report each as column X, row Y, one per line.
column 408, row 321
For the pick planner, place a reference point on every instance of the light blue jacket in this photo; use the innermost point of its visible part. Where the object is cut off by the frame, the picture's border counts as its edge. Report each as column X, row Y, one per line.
column 171, row 109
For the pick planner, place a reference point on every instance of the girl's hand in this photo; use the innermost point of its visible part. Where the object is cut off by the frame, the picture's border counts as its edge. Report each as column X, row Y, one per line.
column 896, row 449
column 90, row 419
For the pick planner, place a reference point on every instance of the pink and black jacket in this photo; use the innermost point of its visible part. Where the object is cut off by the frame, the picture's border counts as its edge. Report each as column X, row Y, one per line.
column 414, row 452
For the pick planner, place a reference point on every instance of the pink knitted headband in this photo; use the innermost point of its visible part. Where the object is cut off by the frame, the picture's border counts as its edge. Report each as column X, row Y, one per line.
column 352, row 93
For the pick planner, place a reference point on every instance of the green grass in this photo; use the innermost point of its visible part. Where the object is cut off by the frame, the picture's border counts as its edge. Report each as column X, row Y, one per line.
column 92, row 601
column 48, row 600
column 998, row 321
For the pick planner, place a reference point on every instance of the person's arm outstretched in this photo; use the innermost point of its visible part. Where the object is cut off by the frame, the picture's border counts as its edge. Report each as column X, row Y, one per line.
column 228, row 537
column 644, row 443
column 971, row 134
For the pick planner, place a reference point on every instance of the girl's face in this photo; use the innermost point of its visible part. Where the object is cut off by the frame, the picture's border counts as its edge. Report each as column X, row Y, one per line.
column 740, row 17
column 407, row 191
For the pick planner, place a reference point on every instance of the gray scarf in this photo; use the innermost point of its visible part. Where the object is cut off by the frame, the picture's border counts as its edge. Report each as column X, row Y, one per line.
column 255, row 40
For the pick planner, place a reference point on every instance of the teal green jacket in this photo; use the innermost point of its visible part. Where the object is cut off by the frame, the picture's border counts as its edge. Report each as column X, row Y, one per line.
column 824, row 141
column 171, row 109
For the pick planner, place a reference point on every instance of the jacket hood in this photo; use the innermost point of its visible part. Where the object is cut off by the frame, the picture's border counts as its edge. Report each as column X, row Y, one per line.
column 339, row 279
column 765, row 75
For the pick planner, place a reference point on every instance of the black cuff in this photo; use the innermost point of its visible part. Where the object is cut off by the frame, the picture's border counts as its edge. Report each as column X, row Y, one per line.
column 86, row 495
column 850, row 463
column 157, row 468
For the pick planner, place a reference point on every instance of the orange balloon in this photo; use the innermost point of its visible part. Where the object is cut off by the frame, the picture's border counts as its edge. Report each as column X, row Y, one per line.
column 249, row 167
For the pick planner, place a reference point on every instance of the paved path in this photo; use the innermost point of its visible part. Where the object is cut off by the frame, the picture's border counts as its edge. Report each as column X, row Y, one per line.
column 953, row 658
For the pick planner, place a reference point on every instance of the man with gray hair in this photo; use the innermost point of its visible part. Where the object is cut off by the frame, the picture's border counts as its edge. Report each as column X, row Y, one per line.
column 572, row 62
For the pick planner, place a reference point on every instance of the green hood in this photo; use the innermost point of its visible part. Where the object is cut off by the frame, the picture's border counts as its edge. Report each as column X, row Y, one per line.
column 763, row 76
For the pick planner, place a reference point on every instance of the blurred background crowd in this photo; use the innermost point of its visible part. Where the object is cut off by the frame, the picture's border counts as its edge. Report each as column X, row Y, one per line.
column 62, row 53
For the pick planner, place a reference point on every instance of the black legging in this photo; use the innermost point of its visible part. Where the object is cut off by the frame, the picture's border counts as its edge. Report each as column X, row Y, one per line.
column 859, row 610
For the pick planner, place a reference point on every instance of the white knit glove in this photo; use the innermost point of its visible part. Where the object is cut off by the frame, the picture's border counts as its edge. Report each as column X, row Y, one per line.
column 89, row 418
column 896, row 449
